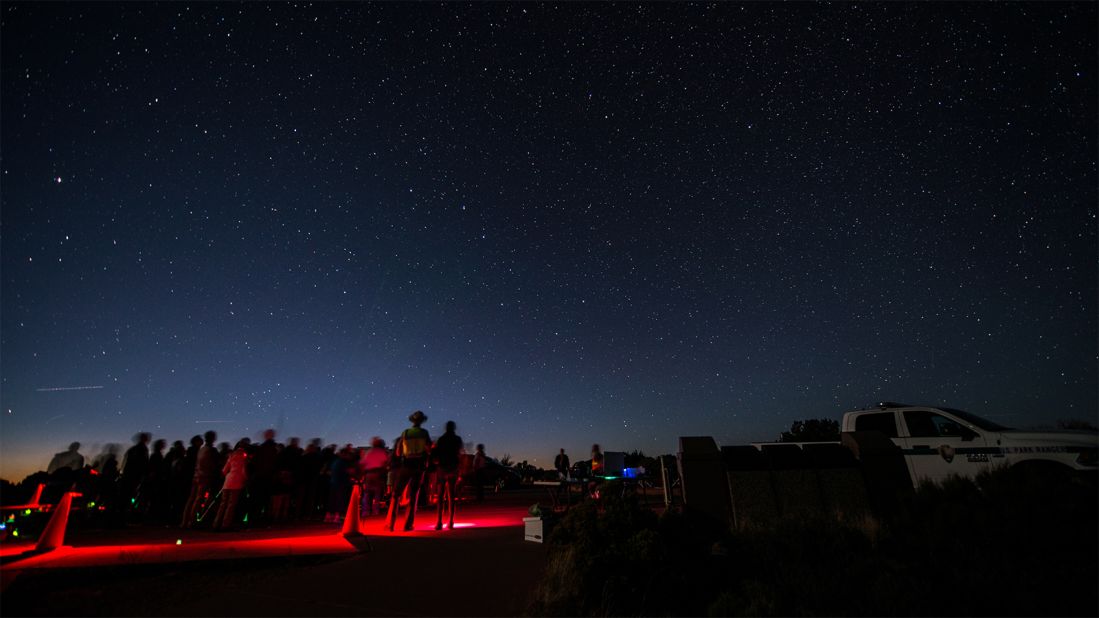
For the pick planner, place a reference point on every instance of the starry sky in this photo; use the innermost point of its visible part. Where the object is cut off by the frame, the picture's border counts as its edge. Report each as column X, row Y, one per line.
column 555, row 224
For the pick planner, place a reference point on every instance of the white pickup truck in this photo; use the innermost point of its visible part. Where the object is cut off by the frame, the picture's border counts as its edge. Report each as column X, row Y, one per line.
column 941, row 442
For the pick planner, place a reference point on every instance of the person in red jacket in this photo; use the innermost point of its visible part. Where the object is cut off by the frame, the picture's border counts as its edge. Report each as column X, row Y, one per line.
column 236, row 475
column 374, row 464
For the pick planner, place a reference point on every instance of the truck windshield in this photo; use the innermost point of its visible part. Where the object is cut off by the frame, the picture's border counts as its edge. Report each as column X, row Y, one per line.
column 987, row 425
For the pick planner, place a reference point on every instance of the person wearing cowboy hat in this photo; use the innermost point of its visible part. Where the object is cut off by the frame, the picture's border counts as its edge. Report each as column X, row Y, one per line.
column 411, row 449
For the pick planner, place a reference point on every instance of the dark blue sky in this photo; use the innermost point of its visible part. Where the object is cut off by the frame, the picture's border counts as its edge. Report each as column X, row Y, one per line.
column 553, row 224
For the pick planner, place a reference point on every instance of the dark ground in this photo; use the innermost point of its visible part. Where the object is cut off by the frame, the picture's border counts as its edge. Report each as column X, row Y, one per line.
column 483, row 570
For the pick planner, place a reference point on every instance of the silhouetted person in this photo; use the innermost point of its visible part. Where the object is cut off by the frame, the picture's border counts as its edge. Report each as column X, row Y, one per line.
column 286, row 467
column 85, row 481
column 180, row 472
column 324, row 478
column 135, row 467
column 206, row 472
column 375, row 465
column 156, row 457
column 261, row 477
column 191, row 457
column 224, row 449
column 447, row 454
column 340, row 473
column 71, row 459
column 413, row 449
column 306, row 479
column 107, row 494
column 596, row 470
column 156, row 485
column 480, row 462
column 561, row 464
column 596, row 461
column 235, row 471
column 394, row 468
column 61, row 475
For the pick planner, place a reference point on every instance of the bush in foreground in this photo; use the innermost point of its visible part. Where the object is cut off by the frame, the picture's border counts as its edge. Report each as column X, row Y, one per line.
column 1004, row 545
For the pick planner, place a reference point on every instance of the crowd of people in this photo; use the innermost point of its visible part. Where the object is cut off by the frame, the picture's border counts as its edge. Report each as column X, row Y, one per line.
column 214, row 485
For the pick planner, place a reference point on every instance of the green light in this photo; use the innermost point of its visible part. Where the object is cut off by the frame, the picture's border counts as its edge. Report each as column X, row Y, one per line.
column 246, row 518
column 27, row 512
column 91, row 504
column 179, row 541
column 15, row 533
column 133, row 500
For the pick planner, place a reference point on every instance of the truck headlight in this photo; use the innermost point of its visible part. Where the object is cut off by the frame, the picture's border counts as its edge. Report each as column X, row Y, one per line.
column 1088, row 457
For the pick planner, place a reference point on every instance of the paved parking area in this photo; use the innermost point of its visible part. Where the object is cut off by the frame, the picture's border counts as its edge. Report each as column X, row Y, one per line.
column 481, row 568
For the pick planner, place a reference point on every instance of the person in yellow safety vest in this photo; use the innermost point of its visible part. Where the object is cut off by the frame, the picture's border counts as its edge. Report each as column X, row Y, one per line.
column 412, row 450
column 596, row 471
column 596, row 461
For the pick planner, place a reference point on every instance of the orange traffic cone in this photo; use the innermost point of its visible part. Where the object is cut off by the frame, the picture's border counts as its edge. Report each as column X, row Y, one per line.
column 54, row 534
column 352, row 522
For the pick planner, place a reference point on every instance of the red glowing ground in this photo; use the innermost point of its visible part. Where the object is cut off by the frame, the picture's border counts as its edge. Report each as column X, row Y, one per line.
column 19, row 554
column 68, row 556
column 425, row 525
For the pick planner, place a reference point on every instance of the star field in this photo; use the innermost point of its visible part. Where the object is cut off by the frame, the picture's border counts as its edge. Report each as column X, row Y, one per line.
column 553, row 224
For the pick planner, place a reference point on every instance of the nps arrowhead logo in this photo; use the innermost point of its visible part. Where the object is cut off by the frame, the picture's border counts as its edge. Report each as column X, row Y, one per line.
column 946, row 452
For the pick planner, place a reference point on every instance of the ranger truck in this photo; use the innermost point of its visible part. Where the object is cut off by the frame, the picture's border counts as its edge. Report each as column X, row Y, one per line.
column 942, row 442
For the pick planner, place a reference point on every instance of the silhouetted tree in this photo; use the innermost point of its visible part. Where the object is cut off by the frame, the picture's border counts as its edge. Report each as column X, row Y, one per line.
column 638, row 458
column 10, row 493
column 812, row 430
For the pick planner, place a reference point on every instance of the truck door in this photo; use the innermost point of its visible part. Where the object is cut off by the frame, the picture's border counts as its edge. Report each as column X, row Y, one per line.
column 885, row 422
column 938, row 447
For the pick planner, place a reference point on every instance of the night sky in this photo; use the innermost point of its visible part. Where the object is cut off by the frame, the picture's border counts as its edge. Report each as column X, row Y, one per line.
column 553, row 224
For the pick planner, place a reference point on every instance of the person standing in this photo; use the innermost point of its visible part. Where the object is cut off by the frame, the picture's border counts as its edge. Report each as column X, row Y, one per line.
column 261, row 477
column 285, row 467
column 206, row 472
column 307, row 477
column 236, row 475
column 65, row 468
column 414, row 445
column 155, row 486
column 596, row 461
column 71, row 459
column 479, row 464
column 447, row 454
column 340, row 474
column 561, row 464
column 375, row 464
column 135, row 467
column 179, row 478
column 108, row 486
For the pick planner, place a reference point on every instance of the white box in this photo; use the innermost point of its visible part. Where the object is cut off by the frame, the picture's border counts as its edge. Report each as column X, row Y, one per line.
column 535, row 529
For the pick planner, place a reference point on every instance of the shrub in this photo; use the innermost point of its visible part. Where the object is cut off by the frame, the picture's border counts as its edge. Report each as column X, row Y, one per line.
column 1003, row 545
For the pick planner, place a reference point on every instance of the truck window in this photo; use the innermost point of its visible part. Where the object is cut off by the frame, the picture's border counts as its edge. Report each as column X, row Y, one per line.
column 884, row 422
column 920, row 425
column 923, row 424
